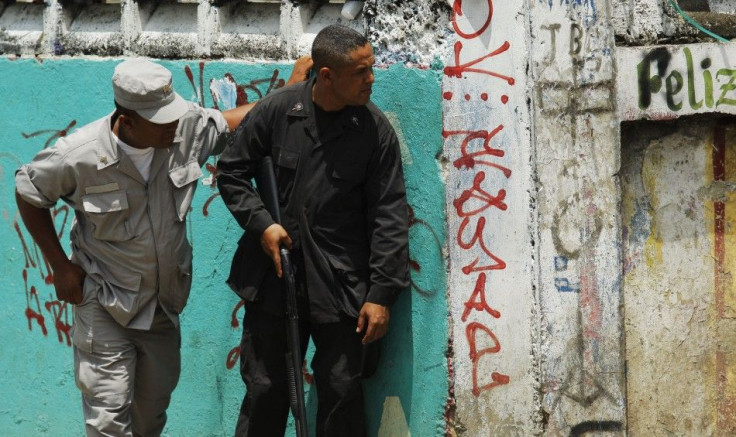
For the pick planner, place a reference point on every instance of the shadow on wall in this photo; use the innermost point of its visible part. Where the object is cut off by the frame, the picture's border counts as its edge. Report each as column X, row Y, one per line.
column 388, row 394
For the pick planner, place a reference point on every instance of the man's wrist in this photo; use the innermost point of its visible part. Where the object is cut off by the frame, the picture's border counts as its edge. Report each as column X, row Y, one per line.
column 59, row 262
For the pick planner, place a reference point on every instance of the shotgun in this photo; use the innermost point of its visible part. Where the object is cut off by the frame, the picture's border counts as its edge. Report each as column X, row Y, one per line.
column 266, row 186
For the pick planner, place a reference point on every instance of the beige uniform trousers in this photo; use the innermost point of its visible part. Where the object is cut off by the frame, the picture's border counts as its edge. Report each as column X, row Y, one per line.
column 126, row 375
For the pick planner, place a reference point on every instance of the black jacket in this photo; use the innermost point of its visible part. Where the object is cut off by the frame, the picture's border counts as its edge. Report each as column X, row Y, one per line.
column 342, row 199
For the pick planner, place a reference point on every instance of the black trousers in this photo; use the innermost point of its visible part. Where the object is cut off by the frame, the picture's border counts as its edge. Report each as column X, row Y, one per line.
column 337, row 365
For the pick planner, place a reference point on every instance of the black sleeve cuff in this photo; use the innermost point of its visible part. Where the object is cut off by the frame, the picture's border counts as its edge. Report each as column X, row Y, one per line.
column 385, row 296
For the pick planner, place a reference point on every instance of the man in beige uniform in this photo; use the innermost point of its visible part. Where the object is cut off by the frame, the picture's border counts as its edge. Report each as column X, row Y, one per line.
column 130, row 178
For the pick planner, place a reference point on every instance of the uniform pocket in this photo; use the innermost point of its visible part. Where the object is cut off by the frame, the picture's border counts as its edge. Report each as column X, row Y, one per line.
column 248, row 270
column 352, row 285
column 286, row 164
column 185, row 276
column 286, row 158
column 181, row 283
column 184, row 179
column 108, row 215
column 83, row 328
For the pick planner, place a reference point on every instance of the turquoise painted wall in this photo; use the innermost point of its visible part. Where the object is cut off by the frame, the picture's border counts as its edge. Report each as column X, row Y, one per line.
column 45, row 99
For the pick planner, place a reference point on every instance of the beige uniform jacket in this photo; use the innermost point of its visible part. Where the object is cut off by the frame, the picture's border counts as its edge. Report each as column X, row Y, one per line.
column 129, row 235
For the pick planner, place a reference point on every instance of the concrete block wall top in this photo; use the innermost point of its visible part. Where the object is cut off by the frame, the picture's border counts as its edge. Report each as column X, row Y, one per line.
column 21, row 27
column 250, row 18
column 21, row 18
column 648, row 22
column 99, row 17
column 246, row 29
column 172, row 18
column 723, row 6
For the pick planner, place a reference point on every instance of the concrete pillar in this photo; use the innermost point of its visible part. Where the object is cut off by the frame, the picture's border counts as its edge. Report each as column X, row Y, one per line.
column 576, row 138
column 490, row 223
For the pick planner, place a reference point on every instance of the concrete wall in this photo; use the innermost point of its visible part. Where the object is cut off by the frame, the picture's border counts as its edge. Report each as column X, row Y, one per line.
column 487, row 152
column 677, row 214
column 678, row 211
column 563, row 321
column 577, row 160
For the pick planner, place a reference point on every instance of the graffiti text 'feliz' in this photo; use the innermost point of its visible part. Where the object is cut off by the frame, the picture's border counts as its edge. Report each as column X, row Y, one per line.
column 698, row 94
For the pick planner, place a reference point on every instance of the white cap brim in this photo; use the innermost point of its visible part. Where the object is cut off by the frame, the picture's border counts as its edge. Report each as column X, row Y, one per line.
column 168, row 113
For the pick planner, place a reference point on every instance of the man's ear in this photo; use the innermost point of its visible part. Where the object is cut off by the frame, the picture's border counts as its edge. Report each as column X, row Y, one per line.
column 125, row 120
column 325, row 74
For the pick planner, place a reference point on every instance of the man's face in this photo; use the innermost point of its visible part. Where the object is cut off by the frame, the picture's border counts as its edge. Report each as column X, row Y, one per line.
column 352, row 83
column 144, row 133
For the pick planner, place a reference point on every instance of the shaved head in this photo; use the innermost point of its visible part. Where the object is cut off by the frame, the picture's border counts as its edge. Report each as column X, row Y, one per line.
column 333, row 44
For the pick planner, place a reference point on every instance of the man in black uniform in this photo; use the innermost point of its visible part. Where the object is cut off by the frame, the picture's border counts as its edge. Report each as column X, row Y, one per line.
column 344, row 215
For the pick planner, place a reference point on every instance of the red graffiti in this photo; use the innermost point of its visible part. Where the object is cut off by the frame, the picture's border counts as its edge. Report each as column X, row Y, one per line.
column 478, row 300
column 457, row 10
column 61, row 320
column 308, row 377
column 471, row 333
column 459, row 69
column 274, row 82
column 486, row 199
column 232, row 357
column 205, row 207
column 473, row 203
column 468, row 159
column 213, row 171
column 190, row 76
column 55, row 133
column 415, row 223
column 34, row 260
column 31, row 314
column 234, row 316
column 478, row 238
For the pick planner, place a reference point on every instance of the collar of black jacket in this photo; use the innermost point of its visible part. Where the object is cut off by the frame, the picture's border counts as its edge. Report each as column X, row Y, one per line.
column 303, row 106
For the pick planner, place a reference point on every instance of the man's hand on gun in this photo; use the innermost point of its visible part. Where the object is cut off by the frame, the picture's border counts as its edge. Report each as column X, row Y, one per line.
column 273, row 237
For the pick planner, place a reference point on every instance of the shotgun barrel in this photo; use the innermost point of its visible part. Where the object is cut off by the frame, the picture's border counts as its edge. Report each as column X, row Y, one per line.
column 266, row 185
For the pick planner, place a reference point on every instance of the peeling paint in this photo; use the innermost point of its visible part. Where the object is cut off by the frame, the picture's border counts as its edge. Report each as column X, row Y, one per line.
column 679, row 302
column 409, row 31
